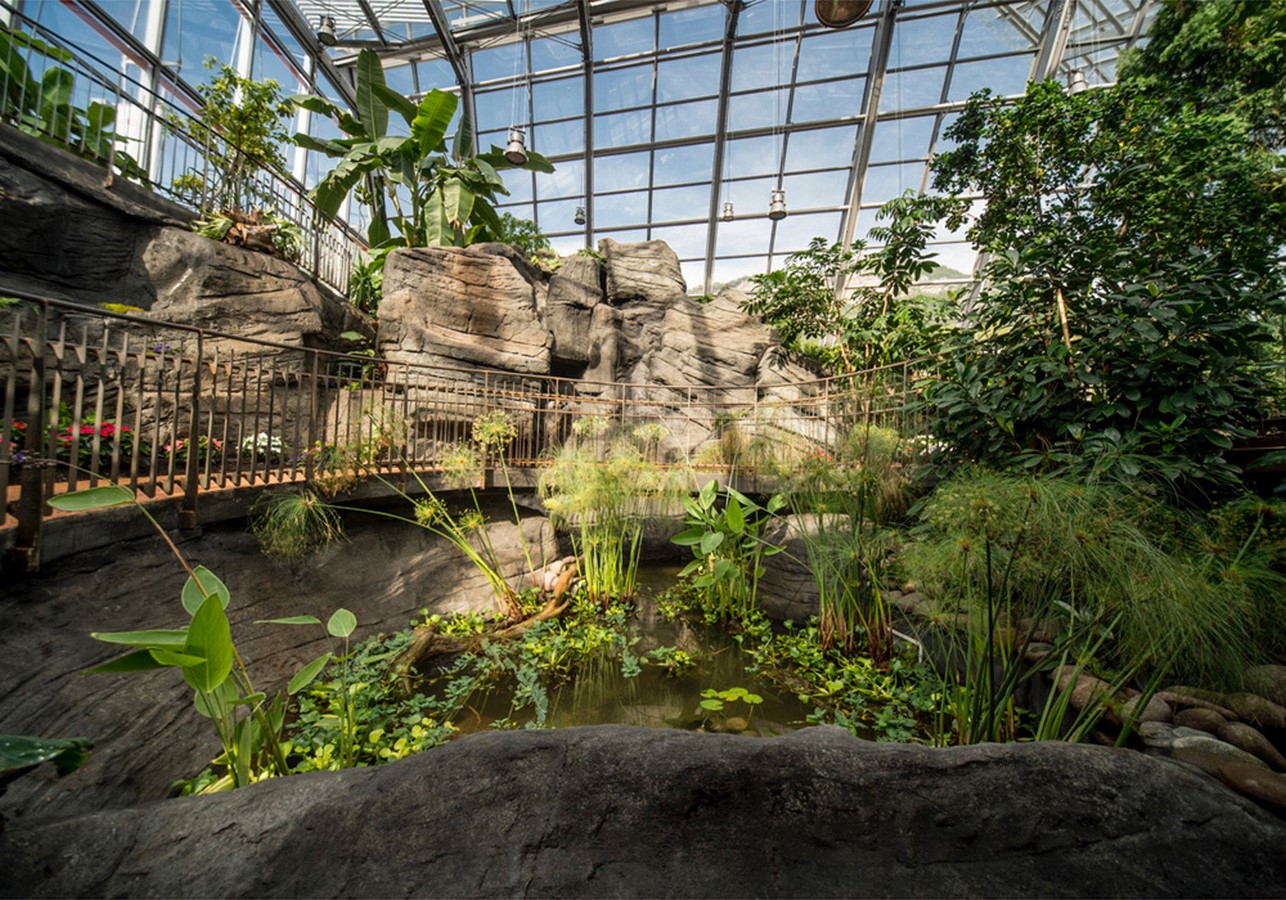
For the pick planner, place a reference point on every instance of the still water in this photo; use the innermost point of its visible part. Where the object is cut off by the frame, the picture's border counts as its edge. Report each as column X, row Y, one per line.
column 600, row 694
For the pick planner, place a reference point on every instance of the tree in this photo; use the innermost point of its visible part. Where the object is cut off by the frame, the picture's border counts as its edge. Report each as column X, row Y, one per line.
column 1135, row 234
column 437, row 196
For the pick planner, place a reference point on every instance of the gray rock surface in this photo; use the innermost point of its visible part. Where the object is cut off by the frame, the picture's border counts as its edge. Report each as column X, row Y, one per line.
column 144, row 728
column 647, row 272
column 1173, row 738
column 618, row 811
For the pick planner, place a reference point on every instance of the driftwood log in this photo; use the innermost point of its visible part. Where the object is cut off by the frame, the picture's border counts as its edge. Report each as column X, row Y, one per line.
column 426, row 644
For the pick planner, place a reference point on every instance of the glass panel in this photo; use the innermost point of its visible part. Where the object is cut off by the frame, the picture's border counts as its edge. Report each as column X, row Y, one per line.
column 674, row 204
column 568, row 245
column 130, row 14
column 752, row 156
column 518, row 181
column 865, row 219
column 559, row 138
column 400, row 78
column 735, row 271
column 620, row 209
column 558, row 99
column 624, row 38
column 686, row 120
column 195, row 29
column 623, row 237
column 268, row 19
column 909, row 90
column 1006, row 77
column 680, row 165
column 689, row 241
column 622, row 88
column 921, row 42
column 846, row 51
column 558, row 215
column 795, row 231
column 762, row 109
column 775, row 15
column 817, row 190
column 694, row 274
column 766, row 65
column 554, row 53
column 520, row 211
column 987, row 32
column 504, row 61
column 943, row 144
column 886, row 182
column 691, row 76
column 814, row 102
column 691, row 26
column 897, row 139
column 435, row 73
column 623, row 129
column 270, row 63
column 567, row 180
column 621, row 172
column 497, row 109
column 825, row 148
column 750, row 198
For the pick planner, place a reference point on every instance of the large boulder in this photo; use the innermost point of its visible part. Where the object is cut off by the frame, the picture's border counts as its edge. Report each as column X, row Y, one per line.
column 463, row 308
column 643, row 272
column 615, row 811
column 145, row 730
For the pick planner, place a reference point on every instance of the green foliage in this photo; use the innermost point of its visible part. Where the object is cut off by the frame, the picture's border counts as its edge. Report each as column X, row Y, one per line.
column 450, row 191
column 366, row 284
column 43, row 108
column 1135, row 238
column 607, row 497
column 729, row 548
column 19, row 752
column 1033, row 546
column 524, row 235
column 249, row 120
column 293, row 524
column 877, row 323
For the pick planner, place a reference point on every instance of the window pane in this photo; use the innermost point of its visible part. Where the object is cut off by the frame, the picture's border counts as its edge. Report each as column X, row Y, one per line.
column 920, row 42
column 692, row 26
column 497, row 109
column 727, row 271
column 686, row 120
column 886, row 182
column 623, row 129
column 680, row 165
column 558, row 215
column 766, row 65
column 435, row 73
column 752, row 156
column 691, row 76
column 624, row 38
column 558, row 99
column 193, row 30
column 621, row 172
column 987, row 33
column 675, row 204
column 795, row 231
column 743, row 236
column 499, row 62
column 554, row 53
column 846, row 51
column 567, row 180
column 750, row 197
column 814, row 102
column 623, row 88
column 825, row 148
column 817, row 189
column 686, row 240
column 762, row 18
column 909, row 90
column 762, row 109
column 559, row 138
column 620, row 209
column 897, row 139
column 1004, row 76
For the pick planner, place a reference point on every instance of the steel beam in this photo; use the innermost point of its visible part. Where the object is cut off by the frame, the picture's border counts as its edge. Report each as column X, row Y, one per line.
column 587, row 67
column 303, row 32
column 374, row 21
column 734, row 8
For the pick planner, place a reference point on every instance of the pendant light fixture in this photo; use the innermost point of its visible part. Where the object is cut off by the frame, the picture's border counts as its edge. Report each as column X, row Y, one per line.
column 777, row 205
column 1076, row 83
column 580, row 215
column 515, row 149
column 326, row 32
column 727, row 211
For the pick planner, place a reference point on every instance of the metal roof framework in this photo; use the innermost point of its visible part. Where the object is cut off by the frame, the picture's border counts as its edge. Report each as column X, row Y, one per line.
column 656, row 114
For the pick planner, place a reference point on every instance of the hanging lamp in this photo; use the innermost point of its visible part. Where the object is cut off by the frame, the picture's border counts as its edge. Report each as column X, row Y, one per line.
column 777, row 205
column 326, row 31
column 516, row 150
column 727, row 211
column 580, row 215
column 1076, row 83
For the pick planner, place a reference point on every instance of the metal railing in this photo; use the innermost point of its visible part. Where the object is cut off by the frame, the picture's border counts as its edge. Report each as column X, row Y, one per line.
column 90, row 397
column 84, row 104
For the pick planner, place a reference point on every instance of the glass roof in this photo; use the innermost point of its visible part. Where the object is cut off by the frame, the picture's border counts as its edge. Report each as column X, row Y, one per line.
column 657, row 114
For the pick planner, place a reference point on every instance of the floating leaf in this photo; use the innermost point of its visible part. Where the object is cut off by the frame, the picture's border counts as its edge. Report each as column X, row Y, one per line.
column 712, row 704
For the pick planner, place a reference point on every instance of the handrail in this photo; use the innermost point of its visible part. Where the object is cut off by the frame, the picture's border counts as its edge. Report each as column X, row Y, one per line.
column 91, row 396
column 174, row 143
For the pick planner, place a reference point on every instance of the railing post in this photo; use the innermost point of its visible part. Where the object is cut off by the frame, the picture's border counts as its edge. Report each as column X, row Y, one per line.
column 24, row 556
column 309, row 462
column 192, row 468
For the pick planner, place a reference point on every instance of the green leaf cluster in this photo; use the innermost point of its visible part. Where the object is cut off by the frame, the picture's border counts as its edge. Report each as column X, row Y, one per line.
column 448, row 193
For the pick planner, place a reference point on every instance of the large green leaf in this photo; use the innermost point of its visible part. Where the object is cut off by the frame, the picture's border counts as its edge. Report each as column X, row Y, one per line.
column 201, row 584
column 210, row 638
column 462, row 146
column 458, row 200
column 171, row 658
column 290, row 620
column 56, row 87
column 20, row 751
column 736, row 519
column 212, row 704
column 482, row 212
column 371, row 110
column 322, row 145
column 342, row 623
column 432, row 119
column 711, row 541
column 159, row 638
column 395, row 101
column 315, row 104
column 138, row 661
column 305, row 675
column 437, row 227
column 93, row 498
column 689, row 538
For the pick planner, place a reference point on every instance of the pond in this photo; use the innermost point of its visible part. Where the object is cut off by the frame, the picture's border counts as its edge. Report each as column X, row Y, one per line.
column 656, row 697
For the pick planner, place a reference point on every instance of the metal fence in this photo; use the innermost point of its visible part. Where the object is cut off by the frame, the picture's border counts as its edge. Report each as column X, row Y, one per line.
column 67, row 96
column 89, row 397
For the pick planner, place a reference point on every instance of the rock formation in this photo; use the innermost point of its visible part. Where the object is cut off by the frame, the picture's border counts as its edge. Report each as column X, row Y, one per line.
column 614, row 811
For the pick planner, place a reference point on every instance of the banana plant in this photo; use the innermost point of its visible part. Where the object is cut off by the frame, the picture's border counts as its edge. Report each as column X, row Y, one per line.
column 438, row 196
